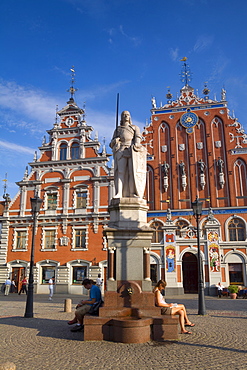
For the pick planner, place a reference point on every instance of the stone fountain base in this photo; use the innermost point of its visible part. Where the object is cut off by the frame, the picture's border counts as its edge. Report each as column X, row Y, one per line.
column 130, row 318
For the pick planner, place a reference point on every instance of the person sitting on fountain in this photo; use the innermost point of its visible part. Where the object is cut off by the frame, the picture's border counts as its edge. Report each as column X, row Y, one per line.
column 171, row 308
column 84, row 306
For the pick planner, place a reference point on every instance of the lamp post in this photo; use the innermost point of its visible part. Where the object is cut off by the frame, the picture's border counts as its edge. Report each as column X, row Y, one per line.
column 197, row 212
column 35, row 204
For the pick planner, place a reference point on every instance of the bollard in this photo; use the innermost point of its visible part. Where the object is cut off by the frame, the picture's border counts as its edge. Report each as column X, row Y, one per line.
column 67, row 305
column 8, row 366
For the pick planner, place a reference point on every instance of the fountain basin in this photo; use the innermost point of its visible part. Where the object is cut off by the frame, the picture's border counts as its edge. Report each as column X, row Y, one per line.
column 131, row 329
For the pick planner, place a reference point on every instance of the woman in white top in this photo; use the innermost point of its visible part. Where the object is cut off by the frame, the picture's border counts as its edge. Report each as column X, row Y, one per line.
column 171, row 308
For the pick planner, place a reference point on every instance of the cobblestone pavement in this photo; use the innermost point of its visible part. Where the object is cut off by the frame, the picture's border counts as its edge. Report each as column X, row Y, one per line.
column 46, row 342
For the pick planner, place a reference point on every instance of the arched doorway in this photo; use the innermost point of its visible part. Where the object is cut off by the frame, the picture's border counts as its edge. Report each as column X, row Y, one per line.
column 190, row 273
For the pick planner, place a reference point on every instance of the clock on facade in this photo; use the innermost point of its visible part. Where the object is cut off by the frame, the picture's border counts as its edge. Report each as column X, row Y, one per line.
column 69, row 121
column 189, row 120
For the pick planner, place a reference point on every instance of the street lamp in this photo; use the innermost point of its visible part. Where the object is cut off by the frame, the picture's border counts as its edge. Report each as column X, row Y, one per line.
column 35, row 204
column 197, row 212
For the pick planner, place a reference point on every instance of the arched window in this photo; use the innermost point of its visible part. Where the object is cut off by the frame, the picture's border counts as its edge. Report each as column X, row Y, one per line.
column 158, row 231
column 181, row 225
column 63, row 151
column 74, row 152
column 236, row 229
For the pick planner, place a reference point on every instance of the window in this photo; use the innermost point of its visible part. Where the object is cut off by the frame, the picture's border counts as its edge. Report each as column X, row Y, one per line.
column 47, row 273
column 158, row 232
column 236, row 229
column 75, row 151
column 21, row 239
column 63, row 152
column 236, row 273
column 81, row 199
column 181, row 224
column 79, row 274
column 49, row 239
column 52, row 201
column 80, row 238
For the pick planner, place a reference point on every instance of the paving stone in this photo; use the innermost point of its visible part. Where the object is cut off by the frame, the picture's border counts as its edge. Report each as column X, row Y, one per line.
column 46, row 342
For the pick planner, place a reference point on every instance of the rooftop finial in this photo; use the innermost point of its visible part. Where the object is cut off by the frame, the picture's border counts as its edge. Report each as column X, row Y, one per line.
column 104, row 148
column 5, row 184
column 206, row 90
column 6, row 196
column 168, row 95
column 56, row 117
column 72, row 90
column 185, row 74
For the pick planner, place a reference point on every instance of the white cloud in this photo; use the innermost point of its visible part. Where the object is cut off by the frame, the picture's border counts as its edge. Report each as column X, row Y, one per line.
column 99, row 91
column 114, row 33
column 173, row 54
column 23, row 107
column 16, row 148
column 134, row 39
column 203, row 42
column 27, row 101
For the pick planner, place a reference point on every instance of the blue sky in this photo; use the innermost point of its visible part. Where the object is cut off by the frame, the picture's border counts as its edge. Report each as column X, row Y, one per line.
column 130, row 47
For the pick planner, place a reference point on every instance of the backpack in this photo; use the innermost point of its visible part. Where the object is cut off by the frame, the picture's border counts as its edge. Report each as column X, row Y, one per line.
column 94, row 309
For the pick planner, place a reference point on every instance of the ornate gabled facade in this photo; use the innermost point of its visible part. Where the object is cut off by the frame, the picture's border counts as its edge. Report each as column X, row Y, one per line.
column 196, row 149
column 72, row 178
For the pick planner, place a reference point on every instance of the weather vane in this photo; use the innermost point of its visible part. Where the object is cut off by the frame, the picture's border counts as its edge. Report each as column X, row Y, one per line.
column 72, row 90
column 185, row 74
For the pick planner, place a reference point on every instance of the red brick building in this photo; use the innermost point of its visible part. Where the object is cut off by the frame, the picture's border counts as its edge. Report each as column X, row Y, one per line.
column 196, row 149
column 72, row 178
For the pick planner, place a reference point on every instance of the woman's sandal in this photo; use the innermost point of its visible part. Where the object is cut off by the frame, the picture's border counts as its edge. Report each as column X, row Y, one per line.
column 186, row 332
column 191, row 325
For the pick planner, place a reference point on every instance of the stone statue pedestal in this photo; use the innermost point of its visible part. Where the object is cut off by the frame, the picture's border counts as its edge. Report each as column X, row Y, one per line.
column 128, row 213
column 129, row 311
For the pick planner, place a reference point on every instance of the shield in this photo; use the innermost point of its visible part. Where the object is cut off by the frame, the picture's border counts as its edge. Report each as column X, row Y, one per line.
column 139, row 159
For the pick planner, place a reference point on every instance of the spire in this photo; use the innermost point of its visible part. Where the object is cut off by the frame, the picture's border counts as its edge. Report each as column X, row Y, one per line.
column 185, row 73
column 56, row 117
column 25, row 173
column 104, row 148
column 72, row 90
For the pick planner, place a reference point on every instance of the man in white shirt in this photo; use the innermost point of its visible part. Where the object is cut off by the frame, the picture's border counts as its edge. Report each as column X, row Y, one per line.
column 7, row 286
column 220, row 289
column 51, row 284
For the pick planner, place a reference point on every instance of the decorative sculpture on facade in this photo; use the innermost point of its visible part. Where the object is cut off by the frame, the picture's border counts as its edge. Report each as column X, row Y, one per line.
column 202, row 168
column 220, row 165
column 183, row 175
column 129, row 159
column 153, row 102
column 165, row 168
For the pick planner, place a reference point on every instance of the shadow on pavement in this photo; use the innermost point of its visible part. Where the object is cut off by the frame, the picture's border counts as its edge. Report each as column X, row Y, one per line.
column 202, row 346
column 45, row 327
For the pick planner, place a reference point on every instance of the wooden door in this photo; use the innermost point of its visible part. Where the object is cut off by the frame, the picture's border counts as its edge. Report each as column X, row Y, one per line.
column 190, row 273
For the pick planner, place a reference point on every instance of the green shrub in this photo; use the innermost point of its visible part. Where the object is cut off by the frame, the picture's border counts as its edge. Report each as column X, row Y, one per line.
column 233, row 288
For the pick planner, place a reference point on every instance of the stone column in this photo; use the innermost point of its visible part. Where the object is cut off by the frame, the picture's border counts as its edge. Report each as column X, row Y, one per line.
column 111, row 266
column 147, row 264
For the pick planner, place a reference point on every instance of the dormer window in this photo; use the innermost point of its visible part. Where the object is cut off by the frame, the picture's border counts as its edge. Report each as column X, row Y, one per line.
column 74, row 151
column 63, row 151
